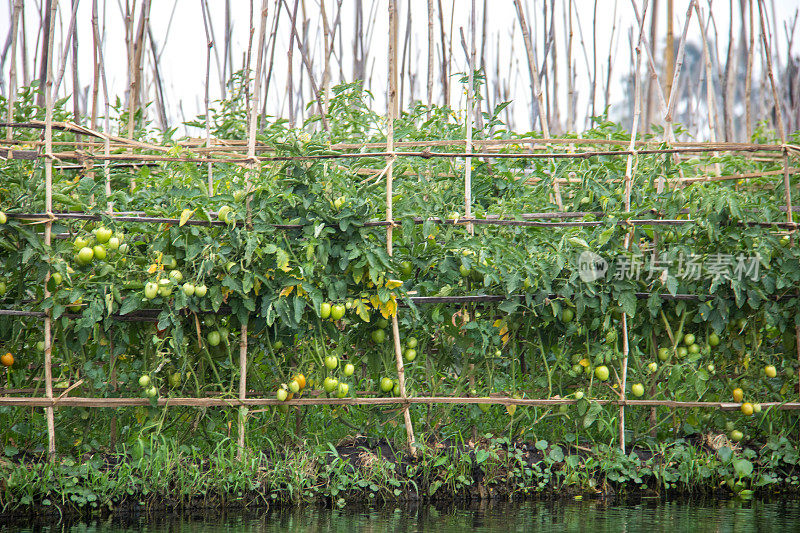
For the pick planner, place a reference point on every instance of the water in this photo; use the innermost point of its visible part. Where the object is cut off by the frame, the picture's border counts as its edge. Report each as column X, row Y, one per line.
column 650, row 516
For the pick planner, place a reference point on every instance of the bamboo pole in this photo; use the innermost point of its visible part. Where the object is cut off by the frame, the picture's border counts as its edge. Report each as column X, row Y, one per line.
column 669, row 50
column 391, row 110
column 251, row 150
column 629, row 170
column 429, row 85
column 48, row 229
column 67, row 42
column 468, row 118
column 203, row 403
column 711, row 99
column 12, row 76
column 748, row 81
column 209, row 45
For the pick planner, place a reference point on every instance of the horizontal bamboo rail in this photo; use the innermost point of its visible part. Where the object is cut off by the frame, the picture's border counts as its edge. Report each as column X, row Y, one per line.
column 81, row 401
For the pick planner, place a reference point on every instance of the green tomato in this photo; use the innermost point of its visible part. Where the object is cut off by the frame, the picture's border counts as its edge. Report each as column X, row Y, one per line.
column 331, row 362
column 294, row 386
column 57, row 278
column 342, row 390
column 3, row 288
column 382, row 323
column 713, row 339
column 213, row 338
column 282, row 394
column 410, row 354
column 652, row 367
column 85, row 255
column 188, row 289
column 378, row 336
column 123, row 248
column 223, row 213
column 682, row 351
column 144, row 381
column 152, row 392
column 99, row 252
column 694, row 348
column 3, row 218
column 601, row 372
column 176, row 275
column 150, row 290
column 411, row 342
column 337, row 311
column 567, row 315
column 349, row 369
column 175, row 380
column 638, row 390
column 103, row 234
column 330, row 384
column 113, row 243
column 80, row 242
column 325, row 310
column 200, row 290
column 386, row 384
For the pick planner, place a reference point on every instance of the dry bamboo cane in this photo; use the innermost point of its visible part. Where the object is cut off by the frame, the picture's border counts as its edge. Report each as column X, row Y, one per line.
column 251, row 151
column 779, row 115
column 48, row 229
column 468, row 118
column 629, row 169
column 12, row 81
column 536, row 87
column 210, row 44
column 748, row 81
column 429, row 85
column 711, row 97
column 391, row 110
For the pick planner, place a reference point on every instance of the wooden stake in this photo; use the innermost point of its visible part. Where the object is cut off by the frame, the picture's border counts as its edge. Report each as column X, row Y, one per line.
column 391, row 110
column 48, row 230
column 468, row 117
column 12, row 77
column 251, row 152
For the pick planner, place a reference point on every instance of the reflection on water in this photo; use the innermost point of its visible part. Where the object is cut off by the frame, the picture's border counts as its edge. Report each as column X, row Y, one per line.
column 651, row 516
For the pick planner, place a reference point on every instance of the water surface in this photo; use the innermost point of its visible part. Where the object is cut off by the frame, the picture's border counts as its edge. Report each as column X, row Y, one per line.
column 651, row 516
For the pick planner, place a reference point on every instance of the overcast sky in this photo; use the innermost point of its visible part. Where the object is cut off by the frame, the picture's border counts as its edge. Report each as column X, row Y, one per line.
column 178, row 30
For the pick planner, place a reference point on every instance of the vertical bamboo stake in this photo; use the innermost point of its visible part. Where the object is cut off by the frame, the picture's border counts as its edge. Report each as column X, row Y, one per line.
column 209, row 45
column 468, row 118
column 711, row 99
column 12, row 81
column 391, row 110
column 570, row 81
column 48, row 230
column 430, row 59
column 536, row 86
column 648, row 105
column 779, row 117
column 669, row 51
column 631, row 160
column 251, row 154
column 748, row 81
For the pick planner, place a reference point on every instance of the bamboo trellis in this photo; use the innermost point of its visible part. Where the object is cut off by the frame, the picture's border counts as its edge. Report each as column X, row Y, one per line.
column 216, row 152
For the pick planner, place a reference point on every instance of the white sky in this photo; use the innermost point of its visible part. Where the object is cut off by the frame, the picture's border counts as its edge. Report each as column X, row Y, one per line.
column 183, row 47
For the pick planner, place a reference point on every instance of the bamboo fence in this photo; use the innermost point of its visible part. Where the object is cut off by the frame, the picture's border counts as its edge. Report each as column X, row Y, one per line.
column 249, row 154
